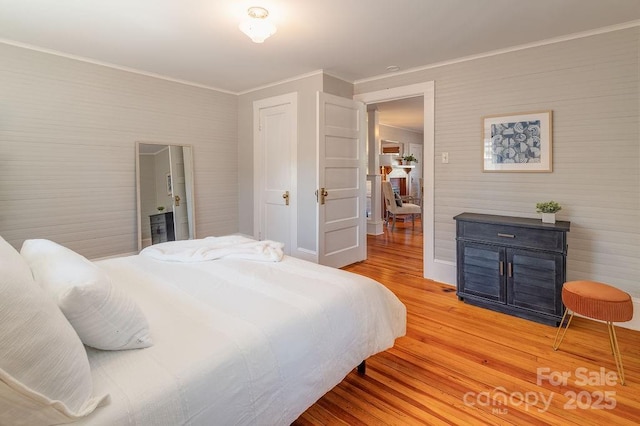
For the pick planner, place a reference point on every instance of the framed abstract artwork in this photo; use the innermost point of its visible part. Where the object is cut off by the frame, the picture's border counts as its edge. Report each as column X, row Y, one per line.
column 519, row 142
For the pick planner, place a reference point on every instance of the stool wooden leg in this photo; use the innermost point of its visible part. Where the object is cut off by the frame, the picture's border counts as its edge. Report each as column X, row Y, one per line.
column 556, row 343
column 616, row 351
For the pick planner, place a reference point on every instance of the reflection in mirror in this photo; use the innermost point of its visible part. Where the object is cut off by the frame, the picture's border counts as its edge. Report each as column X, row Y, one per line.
column 391, row 147
column 396, row 175
column 164, row 186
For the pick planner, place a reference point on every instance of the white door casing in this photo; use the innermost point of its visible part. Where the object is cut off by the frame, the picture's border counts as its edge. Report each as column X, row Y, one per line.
column 416, row 173
column 187, row 156
column 275, row 191
column 435, row 269
column 341, row 180
column 179, row 193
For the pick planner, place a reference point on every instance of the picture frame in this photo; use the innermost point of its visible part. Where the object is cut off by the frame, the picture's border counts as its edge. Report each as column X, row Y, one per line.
column 520, row 142
column 169, row 186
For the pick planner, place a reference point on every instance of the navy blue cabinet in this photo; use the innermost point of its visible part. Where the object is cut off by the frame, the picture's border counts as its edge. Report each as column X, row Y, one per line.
column 162, row 227
column 512, row 265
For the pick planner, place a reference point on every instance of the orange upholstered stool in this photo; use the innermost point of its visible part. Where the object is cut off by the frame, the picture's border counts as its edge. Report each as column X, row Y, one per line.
column 599, row 301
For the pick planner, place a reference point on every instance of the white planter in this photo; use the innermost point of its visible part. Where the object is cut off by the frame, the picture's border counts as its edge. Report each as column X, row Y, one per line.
column 548, row 217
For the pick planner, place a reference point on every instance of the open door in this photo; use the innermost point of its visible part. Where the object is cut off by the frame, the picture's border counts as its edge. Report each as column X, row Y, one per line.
column 341, row 191
column 179, row 193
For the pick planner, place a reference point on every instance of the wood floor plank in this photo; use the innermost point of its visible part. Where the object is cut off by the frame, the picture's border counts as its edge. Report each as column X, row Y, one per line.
column 458, row 362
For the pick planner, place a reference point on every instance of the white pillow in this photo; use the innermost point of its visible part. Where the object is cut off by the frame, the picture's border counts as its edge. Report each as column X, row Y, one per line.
column 103, row 316
column 44, row 370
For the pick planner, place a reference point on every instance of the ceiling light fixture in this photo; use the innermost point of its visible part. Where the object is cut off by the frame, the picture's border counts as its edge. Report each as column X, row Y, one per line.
column 258, row 28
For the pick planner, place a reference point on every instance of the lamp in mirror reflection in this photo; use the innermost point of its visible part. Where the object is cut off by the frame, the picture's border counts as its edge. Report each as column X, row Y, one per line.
column 258, row 28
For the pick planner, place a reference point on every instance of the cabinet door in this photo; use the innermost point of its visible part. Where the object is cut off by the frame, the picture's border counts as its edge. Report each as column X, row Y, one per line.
column 534, row 280
column 481, row 272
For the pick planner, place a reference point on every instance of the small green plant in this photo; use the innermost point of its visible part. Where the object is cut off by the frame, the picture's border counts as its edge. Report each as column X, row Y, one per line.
column 160, row 208
column 548, row 207
column 409, row 158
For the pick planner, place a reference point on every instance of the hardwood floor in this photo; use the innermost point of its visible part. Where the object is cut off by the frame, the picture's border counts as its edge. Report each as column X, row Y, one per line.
column 459, row 364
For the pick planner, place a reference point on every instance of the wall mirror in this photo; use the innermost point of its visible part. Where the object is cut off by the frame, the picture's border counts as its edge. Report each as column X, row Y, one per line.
column 165, row 196
column 397, row 175
column 391, row 147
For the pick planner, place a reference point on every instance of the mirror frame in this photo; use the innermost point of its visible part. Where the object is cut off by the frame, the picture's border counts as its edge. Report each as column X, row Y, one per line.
column 190, row 190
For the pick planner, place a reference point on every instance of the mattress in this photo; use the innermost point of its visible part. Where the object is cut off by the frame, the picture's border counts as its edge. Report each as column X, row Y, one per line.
column 239, row 342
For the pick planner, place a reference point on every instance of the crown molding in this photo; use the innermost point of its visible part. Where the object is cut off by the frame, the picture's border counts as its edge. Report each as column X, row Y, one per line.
column 279, row 82
column 110, row 65
column 559, row 39
column 402, row 128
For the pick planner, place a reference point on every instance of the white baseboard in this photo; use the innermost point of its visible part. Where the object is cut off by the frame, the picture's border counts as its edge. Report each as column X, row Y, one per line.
column 375, row 227
column 305, row 254
column 634, row 324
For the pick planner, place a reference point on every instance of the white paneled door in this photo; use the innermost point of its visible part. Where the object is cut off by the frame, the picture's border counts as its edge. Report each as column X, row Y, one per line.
column 341, row 181
column 179, row 193
column 275, row 122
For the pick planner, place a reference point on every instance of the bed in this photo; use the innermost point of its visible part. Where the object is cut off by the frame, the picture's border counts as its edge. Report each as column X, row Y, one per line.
column 236, row 340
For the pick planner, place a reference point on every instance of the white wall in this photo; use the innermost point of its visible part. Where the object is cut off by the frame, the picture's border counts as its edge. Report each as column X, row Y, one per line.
column 401, row 135
column 592, row 86
column 68, row 132
column 306, row 87
column 67, row 136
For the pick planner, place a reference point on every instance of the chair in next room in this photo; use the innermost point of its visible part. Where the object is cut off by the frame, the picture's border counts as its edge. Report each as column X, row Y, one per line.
column 395, row 206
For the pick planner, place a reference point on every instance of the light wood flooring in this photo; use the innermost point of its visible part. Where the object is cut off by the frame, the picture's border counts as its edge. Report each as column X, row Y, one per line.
column 464, row 365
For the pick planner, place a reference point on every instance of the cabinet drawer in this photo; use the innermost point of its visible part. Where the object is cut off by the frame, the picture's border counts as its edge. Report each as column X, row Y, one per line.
column 157, row 218
column 158, row 229
column 512, row 236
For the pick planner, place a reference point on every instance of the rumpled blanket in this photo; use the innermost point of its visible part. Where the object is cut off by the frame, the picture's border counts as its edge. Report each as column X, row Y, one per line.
column 211, row 248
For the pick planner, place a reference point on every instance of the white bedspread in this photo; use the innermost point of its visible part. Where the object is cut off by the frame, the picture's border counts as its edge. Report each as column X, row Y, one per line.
column 212, row 248
column 239, row 342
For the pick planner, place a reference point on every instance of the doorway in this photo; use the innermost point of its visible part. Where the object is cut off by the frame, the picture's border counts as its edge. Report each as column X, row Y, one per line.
column 400, row 129
column 433, row 269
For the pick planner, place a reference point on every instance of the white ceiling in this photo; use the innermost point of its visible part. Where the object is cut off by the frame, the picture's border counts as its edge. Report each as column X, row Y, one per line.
column 198, row 41
column 405, row 113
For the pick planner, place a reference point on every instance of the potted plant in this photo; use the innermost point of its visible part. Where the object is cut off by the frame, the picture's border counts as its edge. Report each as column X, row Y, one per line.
column 160, row 208
column 410, row 159
column 548, row 210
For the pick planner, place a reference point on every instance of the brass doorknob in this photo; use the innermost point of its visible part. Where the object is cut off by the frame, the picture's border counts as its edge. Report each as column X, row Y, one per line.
column 323, row 193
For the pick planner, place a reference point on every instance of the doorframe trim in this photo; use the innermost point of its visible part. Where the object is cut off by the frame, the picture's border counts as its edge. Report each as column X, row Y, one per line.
column 437, row 270
column 258, row 172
